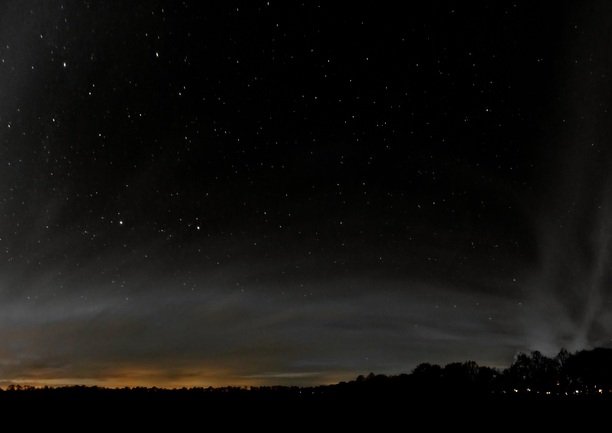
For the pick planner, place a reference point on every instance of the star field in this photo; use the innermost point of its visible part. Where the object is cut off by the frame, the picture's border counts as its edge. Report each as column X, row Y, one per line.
column 273, row 192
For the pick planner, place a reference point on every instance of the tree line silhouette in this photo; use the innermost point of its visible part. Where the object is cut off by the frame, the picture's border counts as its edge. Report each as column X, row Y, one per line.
column 585, row 372
column 533, row 385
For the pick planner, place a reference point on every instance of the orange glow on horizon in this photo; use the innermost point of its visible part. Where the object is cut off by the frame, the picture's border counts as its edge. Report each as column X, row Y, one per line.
column 134, row 377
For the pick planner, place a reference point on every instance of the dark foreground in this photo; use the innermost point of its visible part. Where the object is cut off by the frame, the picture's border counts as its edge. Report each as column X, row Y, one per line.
column 294, row 409
column 567, row 392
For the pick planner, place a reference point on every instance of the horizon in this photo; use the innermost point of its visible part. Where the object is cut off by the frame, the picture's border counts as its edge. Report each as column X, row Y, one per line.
column 262, row 384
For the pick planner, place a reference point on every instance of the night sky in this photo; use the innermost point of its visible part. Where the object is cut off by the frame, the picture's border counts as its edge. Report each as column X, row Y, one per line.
column 296, row 193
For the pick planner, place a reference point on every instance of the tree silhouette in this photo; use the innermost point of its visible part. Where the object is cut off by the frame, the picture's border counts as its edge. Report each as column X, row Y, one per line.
column 589, row 371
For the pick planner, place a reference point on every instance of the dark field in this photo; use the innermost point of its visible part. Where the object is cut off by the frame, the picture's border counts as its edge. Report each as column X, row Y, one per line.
column 344, row 408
